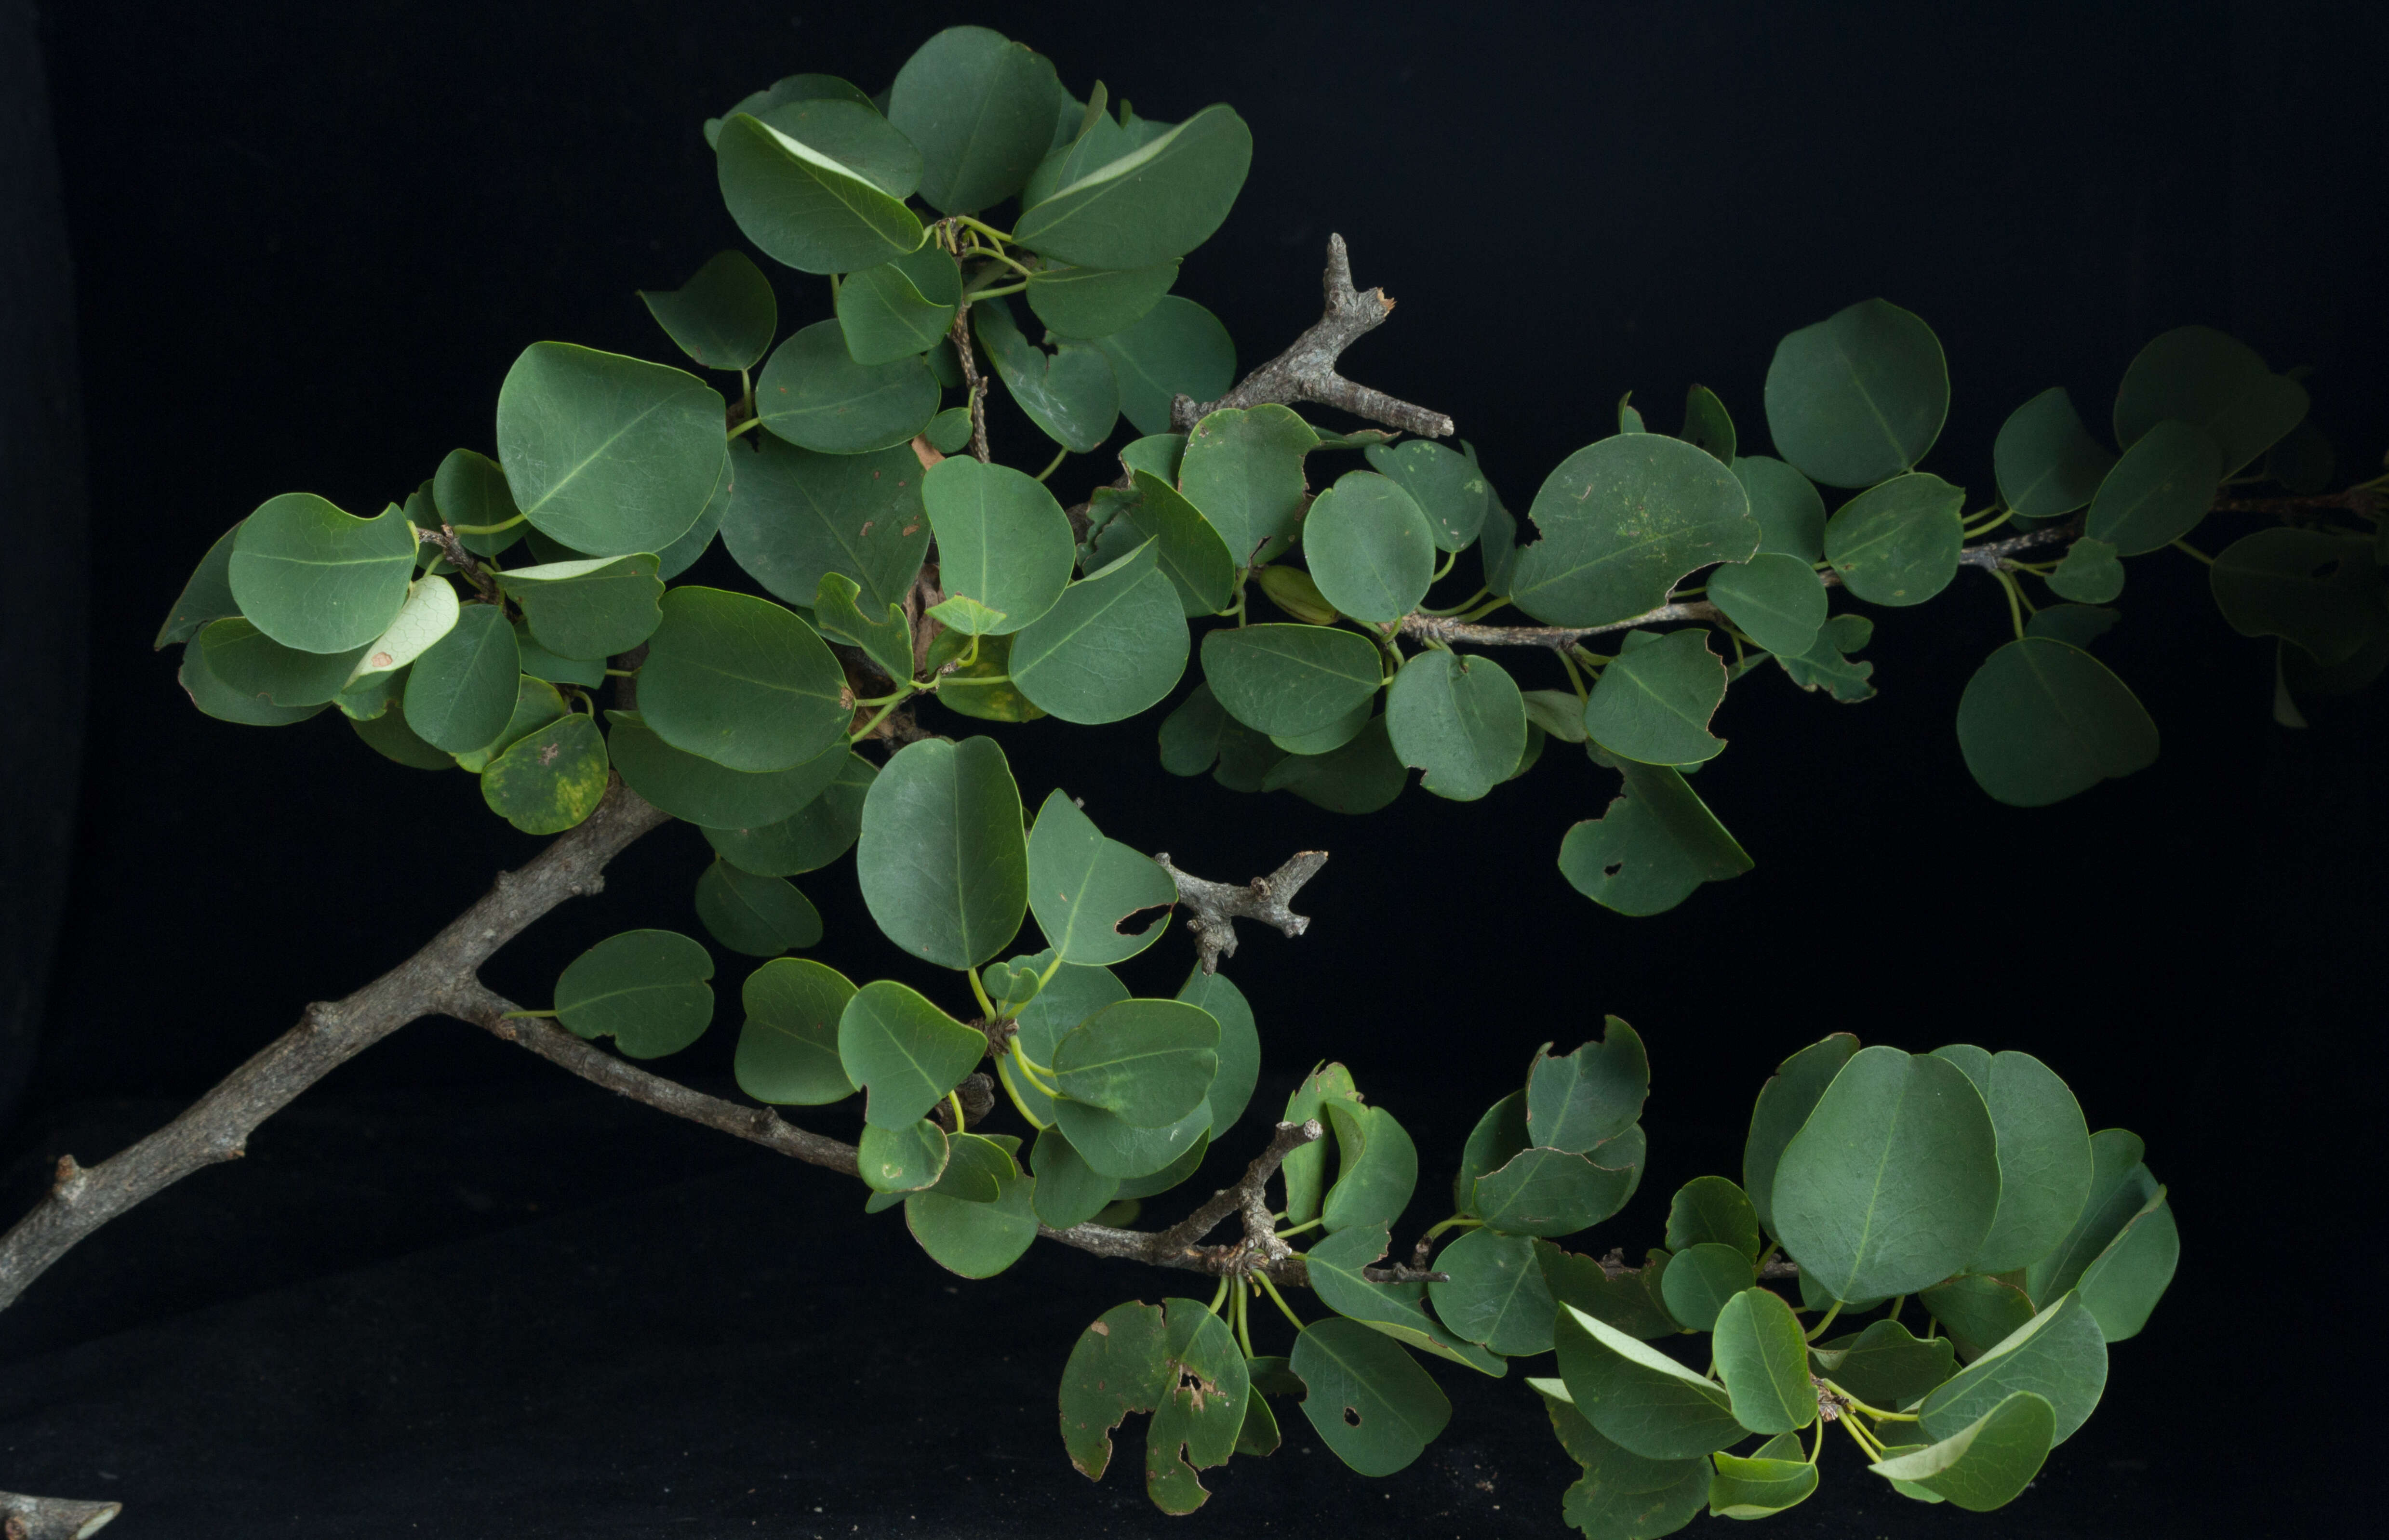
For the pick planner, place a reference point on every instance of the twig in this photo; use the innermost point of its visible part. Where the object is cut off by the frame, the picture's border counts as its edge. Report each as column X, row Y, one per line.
column 1214, row 908
column 1305, row 372
column 1246, row 1196
column 461, row 559
column 971, row 380
column 24, row 1518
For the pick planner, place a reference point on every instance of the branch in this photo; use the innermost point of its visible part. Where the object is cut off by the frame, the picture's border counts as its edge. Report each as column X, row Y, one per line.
column 216, row 1128
column 1214, row 908
column 961, row 340
column 1305, row 372
column 53, row 1517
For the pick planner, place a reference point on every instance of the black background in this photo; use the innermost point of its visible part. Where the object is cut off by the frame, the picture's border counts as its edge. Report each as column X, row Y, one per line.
column 308, row 242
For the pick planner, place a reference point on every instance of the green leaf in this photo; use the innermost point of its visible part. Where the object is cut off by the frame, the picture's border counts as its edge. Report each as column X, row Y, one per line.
column 1707, row 425
column 787, row 1049
column 970, row 1238
column 1638, row 1398
column 2041, row 720
column 981, row 110
column 707, row 793
column 1446, row 484
column 2319, row 590
column 1699, row 1281
column 887, row 640
column 1117, row 1147
column 902, row 1159
column 1376, row 1167
column 943, row 860
column 1762, row 1357
column 1243, row 468
column 2158, row 491
column 1759, row 1487
column 1289, row 680
column 741, row 681
column 1499, row 1135
column 1117, row 1366
column 949, row 430
column 1654, row 702
column 386, row 734
column 2121, row 1252
column 1976, row 1311
column 1070, row 1191
column 1885, row 1364
column 2220, row 386
column 1494, row 1293
column 901, row 308
column 1551, row 1193
column 795, row 516
column 251, row 663
column 1461, row 719
column 315, row 579
column 1713, row 1209
column 539, row 662
column 1985, row 1465
column 1083, row 888
column 2089, row 573
column 1240, row 1044
column 1361, row 777
column 1656, row 843
column 1334, row 1266
column 1191, row 552
column 1002, row 538
column 1588, row 1097
column 604, row 454
column 1369, row 1401
column 471, row 489
column 1784, row 1104
column 758, row 916
column 1070, row 393
column 2047, row 462
column 1160, row 200
column 1897, row 544
column 2075, row 624
column 1189, row 1373
column 550, row 780
column 1791, row 515
column 1095, row 302
column 1893, row 1181
column 1199, row 734
column 2044, row 1146
column 222, row 701
column 1112, row 645
column 1305, row 1168
column 1827, row 664
column 1620, row 522
column 1776, row 599
column 429, row 614
column 2122, row 1285
column 1621, row 1496
column 536, row 703
column 903, row 1051
column 723, row 317
column 1371, row 548
column 814, row 394
column 1150, row 1062
column 206, row 596
column 461, row 693
column 1629, row 1302
column 592, row 608
column 647, row 989
column 806, row 208
column 1860, row 396
column 1260, row 1435
column 1178, row 349
column 980, row 1168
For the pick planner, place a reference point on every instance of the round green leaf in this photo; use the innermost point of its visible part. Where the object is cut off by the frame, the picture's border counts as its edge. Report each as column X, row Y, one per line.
column 222, row 701
column 1148, row 1062
column 1376, row 1166
column 2041, row 720
column 1590, row 1096
column 1001, row 540
column 1083, row 888
column 1446, row 484
column 317, row 579
column 741, row 681
column 704, row 792
column 1974, row 1312
column 2158, row 491
column 1190, row 552
column 471, row 489
column 1070, row 1191
column 1371, row 549
column 2218, row 385
column 1112, row 645
column 816, row 396
column 904, row 1051
column 2321, row 591
column 1761, row 1356
column 1699, row 1281
column 1240, row 1044
column 1620, row 522
column 253, row 664
column 787, row 1049
column 1885, row 1364
column 429, row 614
column 539, row 662
column 1461, row 719
column 1759, row 1487
column 604, row 454
column 1094, row 301
column 900, row 308
column 1552, row 1192
column 647, row 989
column 1243, row 468
column 1985, row 1465
column 1893, row 1181
column 1070, row 393
column 1498, row 1137
column 805, row 208
column 206, row 596
column 1158, row 201
column 549, row 780
column 980, row 108
column 1654, row 702
column 1495, row 1293
column 1707, row 425
column 1791, row 515
column 1638, row 1398
column 1713, row 1209
column 2047, row 463
column 1860, row 396
column 808, row 839
column 902, row 1159
column 758, row 916
column 949, row 430
column 2045, row 1166
column 461, row 693
column 1897, row 543
column 796, row 516
column 2089, row 573
column 723, row 317
column 595, row 607
column 2060, row 1355
column 1288, row 681
column 1654, row 845
column 1784, row 1104
column 976, row 1239
column 1776, row 599
column 1178, row 349
column 1369, row 1401
column 943, row 860
column 1116, row 1148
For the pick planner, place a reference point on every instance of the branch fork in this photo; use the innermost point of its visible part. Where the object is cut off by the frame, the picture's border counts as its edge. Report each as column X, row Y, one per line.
column 1213, row 909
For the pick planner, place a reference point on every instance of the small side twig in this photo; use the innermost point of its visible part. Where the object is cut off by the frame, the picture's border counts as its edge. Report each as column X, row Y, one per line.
column 461, row 559
column 1213, row 909
column 1248, row 1196
column 24, row 1518
column 1305, row 372
column 969, row 362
